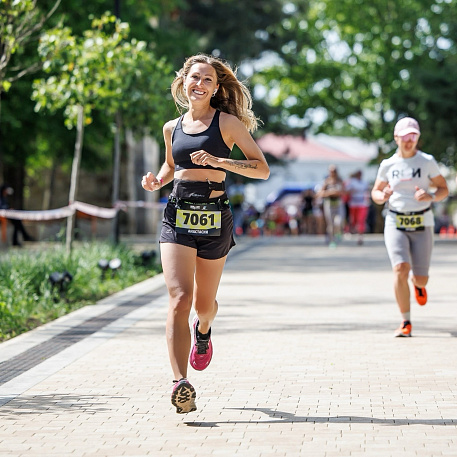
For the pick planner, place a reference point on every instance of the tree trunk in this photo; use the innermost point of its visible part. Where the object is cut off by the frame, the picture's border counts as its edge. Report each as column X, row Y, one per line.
column 151, row 163
column 1, row 142
column 74, row 176
column 49, row 188
column 131, row 180
column 116, row 173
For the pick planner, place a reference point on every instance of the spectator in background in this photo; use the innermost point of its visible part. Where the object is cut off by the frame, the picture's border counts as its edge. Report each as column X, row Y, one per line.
column 307, row 211
column 5, row 192
column 293, row 213
column 276, row 220
column 332, row 192
column 358, row 202
column 318, row 211
column 253, row 223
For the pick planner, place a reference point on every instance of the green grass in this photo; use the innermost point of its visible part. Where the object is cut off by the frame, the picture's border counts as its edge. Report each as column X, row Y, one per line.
column 28, row 299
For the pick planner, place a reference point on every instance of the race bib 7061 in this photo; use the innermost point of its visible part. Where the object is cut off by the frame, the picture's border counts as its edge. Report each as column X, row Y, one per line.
column 197, row 222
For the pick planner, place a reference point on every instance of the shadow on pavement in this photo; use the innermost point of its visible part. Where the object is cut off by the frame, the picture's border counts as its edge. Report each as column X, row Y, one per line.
column 281, row 417
column 55, row 403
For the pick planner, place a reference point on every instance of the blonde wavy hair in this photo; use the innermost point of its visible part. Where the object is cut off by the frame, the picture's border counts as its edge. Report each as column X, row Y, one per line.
column 232, row 97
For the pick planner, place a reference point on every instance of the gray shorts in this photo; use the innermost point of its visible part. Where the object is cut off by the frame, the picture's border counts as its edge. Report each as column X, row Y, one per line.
column 414, row 248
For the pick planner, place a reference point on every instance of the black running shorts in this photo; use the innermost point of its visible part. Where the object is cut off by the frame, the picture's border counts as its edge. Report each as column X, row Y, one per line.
column 208, row 247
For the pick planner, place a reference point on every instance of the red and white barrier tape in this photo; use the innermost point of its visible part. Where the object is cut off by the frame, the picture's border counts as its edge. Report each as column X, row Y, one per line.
column 48, row 215
column 66, row 211
column 139, row 204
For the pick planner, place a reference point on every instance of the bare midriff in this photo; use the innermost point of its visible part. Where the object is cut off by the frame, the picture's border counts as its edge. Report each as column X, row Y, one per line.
column 202, row 175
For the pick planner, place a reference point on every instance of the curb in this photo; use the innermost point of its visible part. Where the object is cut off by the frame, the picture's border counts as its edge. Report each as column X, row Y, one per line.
column 28, row 340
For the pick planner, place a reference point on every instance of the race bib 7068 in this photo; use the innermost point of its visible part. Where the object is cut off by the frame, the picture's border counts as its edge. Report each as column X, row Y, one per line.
column 409, row 223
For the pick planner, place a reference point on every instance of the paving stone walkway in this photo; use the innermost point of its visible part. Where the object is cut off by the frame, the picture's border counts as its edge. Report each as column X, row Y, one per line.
column 305, row 364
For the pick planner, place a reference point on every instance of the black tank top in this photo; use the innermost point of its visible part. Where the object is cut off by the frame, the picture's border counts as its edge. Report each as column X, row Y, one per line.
column 183, row 144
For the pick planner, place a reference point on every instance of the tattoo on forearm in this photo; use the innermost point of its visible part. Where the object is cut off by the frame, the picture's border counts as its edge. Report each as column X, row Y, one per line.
column 242, row 164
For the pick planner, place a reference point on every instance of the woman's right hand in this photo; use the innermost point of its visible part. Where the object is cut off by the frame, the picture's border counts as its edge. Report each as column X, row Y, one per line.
column 150, row 182
column 387, row 192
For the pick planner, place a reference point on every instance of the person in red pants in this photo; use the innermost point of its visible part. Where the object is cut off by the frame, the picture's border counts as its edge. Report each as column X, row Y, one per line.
column 359, row 201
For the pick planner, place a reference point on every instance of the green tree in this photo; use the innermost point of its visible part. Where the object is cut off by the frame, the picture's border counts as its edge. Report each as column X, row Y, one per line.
column 35, row 146
column 20, row 22
column 20, row 25
column 101, row 70
column 231, row 29
column 433, row 80
column 354, row 67
column 139, row 107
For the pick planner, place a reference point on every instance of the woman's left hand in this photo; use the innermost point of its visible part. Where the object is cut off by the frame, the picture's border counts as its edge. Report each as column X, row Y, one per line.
column 203, row 158
column 422, row 196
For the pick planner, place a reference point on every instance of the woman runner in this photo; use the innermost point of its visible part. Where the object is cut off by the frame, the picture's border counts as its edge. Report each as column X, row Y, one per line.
column 197, row 226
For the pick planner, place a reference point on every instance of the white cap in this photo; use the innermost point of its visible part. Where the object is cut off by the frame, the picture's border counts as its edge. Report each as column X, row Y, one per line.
column 406, row 125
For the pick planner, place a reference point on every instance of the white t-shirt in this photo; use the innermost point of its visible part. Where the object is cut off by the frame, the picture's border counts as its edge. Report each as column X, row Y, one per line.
column 403, row 175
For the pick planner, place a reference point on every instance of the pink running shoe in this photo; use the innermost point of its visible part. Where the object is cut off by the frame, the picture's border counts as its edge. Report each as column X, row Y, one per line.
column 202, row 349
column 183, row 397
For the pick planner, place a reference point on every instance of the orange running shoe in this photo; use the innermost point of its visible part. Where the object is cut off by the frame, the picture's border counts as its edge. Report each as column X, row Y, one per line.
column 421, row 295
column 404, row 330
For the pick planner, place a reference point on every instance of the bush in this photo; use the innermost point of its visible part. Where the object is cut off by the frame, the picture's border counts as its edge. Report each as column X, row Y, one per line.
column 29, row 299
